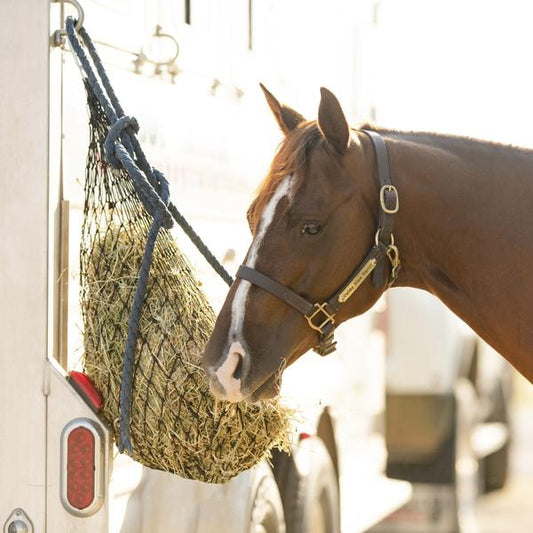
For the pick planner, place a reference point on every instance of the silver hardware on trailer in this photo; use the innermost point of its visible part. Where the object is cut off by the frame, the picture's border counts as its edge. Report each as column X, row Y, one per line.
column 141, row 58
column 18, row 522
column 58, row 37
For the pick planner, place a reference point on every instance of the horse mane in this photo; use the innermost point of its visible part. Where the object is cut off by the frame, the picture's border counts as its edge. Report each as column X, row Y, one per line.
column 447, row 137
column 290, row 158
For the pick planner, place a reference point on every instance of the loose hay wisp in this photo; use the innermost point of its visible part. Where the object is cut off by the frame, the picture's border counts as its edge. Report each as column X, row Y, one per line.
column 176, row 424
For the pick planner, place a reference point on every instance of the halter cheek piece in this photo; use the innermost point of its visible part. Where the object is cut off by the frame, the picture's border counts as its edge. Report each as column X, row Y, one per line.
column 321, row 316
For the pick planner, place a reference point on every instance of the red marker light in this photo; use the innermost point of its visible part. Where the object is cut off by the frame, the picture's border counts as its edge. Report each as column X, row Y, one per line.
column 85, row 387
column 83, row 467
column 80, row 468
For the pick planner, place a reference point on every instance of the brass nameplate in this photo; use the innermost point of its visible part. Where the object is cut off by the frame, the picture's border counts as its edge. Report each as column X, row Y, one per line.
column 356, row 282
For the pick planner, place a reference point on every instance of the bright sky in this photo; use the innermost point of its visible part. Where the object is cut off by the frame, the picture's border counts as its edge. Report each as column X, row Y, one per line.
column 463, row 67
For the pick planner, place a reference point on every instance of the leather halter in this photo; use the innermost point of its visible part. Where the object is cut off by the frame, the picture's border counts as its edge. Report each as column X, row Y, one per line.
column 321, row 316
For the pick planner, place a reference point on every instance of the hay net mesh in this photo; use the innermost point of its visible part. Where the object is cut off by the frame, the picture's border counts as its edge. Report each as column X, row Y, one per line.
column 176, row 424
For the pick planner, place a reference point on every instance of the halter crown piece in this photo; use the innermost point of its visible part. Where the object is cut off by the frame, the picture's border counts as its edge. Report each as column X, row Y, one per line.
column 321, row 316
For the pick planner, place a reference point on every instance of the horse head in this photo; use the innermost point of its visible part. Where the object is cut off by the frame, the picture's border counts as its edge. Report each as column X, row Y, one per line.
column 313, row 221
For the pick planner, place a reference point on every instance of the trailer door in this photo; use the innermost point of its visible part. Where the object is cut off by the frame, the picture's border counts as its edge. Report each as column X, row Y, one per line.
column 23, row 269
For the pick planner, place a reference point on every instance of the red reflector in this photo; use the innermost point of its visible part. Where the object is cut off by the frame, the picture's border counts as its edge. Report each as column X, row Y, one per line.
column 83, row 384
column 80, row 467
column 304, row 436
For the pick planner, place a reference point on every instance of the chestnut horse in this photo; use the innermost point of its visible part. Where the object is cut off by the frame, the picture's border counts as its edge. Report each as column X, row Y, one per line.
column 463, row 231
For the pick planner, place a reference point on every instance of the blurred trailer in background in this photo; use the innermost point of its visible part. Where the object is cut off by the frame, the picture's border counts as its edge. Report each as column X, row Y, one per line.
column 447, row 420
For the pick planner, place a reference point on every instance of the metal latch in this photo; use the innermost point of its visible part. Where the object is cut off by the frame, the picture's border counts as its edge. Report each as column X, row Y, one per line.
column 18, row 522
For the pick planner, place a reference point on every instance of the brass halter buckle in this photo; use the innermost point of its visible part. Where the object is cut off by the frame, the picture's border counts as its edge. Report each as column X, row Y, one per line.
column 329, row 318
column 396, row 208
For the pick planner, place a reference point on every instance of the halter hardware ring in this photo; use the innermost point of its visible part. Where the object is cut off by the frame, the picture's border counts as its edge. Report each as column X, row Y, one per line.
column 378, row 233
column 320, row 308
column 396, row 208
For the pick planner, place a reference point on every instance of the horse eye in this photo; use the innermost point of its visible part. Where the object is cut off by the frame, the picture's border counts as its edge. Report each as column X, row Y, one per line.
column 311, row 229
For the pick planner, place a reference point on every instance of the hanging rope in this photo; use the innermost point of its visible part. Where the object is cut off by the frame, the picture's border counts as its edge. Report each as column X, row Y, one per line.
column 123, row 150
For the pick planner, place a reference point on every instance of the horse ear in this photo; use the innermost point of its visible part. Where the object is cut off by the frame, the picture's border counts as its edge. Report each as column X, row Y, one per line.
column 332, row 122
column 287, row 118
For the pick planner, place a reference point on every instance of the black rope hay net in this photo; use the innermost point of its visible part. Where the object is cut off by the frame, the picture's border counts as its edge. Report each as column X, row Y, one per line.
column 176, row 424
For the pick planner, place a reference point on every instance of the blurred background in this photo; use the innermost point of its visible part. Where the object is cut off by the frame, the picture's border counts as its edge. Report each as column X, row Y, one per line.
column 509, row 509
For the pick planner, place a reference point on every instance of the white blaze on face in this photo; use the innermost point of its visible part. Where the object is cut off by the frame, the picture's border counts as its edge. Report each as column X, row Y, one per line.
column 238, row 306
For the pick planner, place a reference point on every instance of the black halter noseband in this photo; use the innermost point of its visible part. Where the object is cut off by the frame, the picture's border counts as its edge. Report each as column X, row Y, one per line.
column 321, row 316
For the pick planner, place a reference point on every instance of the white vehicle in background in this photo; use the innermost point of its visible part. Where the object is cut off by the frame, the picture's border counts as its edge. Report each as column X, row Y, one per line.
column 59, row 470
column 447, row 423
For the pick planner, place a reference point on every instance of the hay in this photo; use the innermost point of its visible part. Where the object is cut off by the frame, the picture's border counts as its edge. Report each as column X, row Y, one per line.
column 176, row 424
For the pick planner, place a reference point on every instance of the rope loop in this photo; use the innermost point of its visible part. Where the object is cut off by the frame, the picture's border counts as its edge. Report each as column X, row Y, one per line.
column 115, row 131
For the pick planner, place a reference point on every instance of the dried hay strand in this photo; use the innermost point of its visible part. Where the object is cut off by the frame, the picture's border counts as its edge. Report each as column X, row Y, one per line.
column 176, row 424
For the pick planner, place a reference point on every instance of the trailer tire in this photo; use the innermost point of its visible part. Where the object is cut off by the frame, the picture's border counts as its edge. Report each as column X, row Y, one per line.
column 266, row 508
column 496, row 465
column 311, row 491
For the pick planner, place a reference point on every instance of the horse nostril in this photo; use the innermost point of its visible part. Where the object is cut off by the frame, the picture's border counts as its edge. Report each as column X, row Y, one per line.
column 237, row 373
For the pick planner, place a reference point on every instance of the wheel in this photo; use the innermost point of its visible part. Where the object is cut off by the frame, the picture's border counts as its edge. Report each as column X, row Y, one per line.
column 496, row 468
column 266, row 509
column 467, row 466
column 310, row 490
column 496, row 465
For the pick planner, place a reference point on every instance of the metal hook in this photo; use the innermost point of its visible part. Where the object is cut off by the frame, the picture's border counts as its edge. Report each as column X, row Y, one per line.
column 141, row 58
column 160, row 33
column 58, row 37
column 170, row 63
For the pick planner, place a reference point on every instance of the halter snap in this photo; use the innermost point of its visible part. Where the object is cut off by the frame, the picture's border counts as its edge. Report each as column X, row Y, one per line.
column 394, row 257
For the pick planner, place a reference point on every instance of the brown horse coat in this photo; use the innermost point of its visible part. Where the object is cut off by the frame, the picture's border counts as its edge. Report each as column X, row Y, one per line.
column 464, row 231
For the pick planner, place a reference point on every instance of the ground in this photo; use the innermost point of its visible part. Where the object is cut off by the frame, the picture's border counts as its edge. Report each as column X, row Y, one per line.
column 511, row 509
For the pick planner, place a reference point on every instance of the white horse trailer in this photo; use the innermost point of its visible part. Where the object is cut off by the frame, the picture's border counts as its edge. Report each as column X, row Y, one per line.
column 209, row 133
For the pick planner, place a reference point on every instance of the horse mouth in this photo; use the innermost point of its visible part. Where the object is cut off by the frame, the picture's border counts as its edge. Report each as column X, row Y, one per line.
column 271, row 387
column 267, row 390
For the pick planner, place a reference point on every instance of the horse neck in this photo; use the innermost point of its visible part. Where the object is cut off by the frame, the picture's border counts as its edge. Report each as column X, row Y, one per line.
column 464, row 227
column 459, row 200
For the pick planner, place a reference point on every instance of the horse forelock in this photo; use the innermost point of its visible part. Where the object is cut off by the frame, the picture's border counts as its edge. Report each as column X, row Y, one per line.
column 291, row 158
